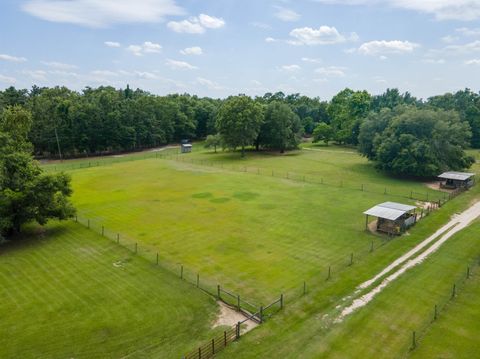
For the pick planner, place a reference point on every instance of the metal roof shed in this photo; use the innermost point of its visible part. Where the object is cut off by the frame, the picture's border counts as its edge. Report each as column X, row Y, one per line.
column 456, row 179
column 393, row 217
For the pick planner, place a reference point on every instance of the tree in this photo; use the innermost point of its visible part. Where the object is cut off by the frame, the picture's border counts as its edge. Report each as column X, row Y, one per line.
column 281, row 128
column 239, row 120
column 213, row 141
column 322, row 132
column 346, row 110
column 26, row 193
column 417, row 142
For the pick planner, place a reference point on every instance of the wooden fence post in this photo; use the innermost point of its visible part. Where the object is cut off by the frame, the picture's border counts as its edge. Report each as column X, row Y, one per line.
column 199, row 353
column 218, row 291
column 304, row 288
column 281, row 301
column 414, row 342
column 213, row 346
column 181, row 271
column 261, row 314
column 198, row 280
column 351, row 259
column 468, row 272
column 238, row 331
column 225, row 338
column 157, row 259
column 136, row 247
column 103, row 230
column 329, row 272
column 371, row 247
column 238, row 302
column 435, row 313
column 454, row 290
column 118, row 238
column 88, row 223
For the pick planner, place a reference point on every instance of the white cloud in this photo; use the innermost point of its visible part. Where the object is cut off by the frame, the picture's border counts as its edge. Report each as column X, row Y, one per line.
column 290, row 68
column 195, row 50
column 102, row 13
column 7, row 79
column 146, row 48
column 112, row 44
column 449, row 39
column 324, row 35
column 211, row 22
column 10, row 58
column 179, row 65
column 434, row 61
column 146, row 75
column 104, row 73
column 212, row 85
column 285, row 14
column 186, row 26
column 311, row 60
column 36, row 74
column 261, row 25
column 331, row 71
column 473, row 62
column 464, row 48
column 196, row 25
column 59, row 65
column 464, row 10
column 379, row 47
column 465, row 31
column 270, row 39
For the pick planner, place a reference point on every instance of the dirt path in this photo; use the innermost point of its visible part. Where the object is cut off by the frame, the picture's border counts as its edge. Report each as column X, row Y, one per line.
column 230, row 317
column 409, row 260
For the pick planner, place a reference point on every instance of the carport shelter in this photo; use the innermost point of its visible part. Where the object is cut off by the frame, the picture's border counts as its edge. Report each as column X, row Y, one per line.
column 454, row 180
column 393, row 218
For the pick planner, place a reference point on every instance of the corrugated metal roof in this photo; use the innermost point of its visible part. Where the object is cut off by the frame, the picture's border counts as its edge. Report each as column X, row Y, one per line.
column 461, row 176
column 389, row 210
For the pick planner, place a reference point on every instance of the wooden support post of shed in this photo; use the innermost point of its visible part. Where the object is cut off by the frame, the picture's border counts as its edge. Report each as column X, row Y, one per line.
column 366, row 222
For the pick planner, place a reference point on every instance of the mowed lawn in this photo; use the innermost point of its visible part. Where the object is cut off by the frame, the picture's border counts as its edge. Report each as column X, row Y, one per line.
column 62, row 297
column 456, row 332
column 383, row 328
column 254, row 234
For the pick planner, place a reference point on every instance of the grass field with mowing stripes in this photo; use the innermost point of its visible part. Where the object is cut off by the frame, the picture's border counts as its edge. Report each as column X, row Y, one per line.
column 68, row 293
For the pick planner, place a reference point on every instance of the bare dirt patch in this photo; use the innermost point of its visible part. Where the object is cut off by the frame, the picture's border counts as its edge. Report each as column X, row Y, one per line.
column 229, row 317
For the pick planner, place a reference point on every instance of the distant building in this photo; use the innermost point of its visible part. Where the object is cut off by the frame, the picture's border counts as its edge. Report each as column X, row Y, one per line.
column 393, row 218
column 186, row 147
column 453, row 180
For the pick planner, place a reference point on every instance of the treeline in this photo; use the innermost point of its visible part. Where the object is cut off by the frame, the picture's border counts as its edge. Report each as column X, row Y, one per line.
column 105, row 119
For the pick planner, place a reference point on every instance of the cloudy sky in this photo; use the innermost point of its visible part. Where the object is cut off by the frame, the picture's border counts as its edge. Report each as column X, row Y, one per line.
column 222, row 47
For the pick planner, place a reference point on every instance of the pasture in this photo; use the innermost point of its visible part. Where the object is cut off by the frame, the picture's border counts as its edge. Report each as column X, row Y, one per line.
column 258, row 228
column 69, row 293
column 255, row 234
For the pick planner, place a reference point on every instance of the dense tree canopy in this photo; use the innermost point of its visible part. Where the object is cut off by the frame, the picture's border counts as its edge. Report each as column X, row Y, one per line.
column 416, row 142
column 281, row 128
column 26, row 193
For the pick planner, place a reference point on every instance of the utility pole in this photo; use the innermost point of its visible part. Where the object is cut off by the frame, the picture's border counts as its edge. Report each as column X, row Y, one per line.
column 58, row 144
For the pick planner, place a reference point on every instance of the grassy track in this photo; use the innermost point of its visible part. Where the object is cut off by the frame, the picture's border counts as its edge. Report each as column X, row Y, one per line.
column 62, row 297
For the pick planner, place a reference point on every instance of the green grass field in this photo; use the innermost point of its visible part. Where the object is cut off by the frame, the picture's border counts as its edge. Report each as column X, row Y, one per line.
column 259, row 234
column 62, row 297
column 255, row 234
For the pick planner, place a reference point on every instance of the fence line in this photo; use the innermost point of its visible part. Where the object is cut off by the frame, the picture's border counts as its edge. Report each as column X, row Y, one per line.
column 437, row 196
column 442, row 305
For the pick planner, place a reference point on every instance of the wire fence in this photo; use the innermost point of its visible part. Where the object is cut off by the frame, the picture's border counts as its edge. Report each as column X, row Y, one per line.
column 427, row 196
column 442, row 305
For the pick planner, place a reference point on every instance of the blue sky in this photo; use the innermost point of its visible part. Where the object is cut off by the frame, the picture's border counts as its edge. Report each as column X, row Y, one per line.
column 222, row 47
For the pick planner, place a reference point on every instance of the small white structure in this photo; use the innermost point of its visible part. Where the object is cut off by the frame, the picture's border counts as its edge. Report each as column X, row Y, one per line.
column 455, row 180
column 393, row 218
column 186, row 147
